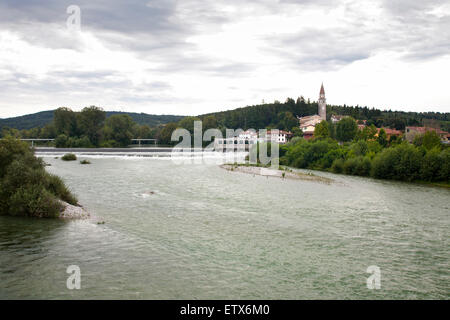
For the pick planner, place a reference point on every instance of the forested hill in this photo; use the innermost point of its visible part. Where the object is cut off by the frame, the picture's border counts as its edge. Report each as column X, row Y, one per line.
column 43, row 118
column 283, row 115
column 269, row 115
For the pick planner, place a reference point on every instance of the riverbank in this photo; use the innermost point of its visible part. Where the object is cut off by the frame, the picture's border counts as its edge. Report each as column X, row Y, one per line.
column 284, row 173
column 73, row 212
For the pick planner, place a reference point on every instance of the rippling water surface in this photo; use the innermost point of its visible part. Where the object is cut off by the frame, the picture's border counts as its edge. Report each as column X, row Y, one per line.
column 206, row 233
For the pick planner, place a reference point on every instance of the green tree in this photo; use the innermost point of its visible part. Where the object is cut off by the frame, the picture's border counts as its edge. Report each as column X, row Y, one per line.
column 65, row 121
column 368, row 133
column 346, row 129
column 322, row 130
column 90, row 122
column 402, row 162
column 143, row 132
column 382, row 138
column 61, row 141
column 296, row 132
column 287, row 119
column 119, row 128
column 48, row 132
column 164, row 136
column 188, row 123
column 431, row 165
column 431, row 140
column 209, row 122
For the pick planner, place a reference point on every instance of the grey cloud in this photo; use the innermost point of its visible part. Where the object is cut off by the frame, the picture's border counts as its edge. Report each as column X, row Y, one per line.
column 410, row 29
column 314, row 49
column 157, row 31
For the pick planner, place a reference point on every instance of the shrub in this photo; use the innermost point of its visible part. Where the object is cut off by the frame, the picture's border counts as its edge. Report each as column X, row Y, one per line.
column 34, row 201
column 428, row 140
column 402, row 162
column 338, row 166
column 312, row 154
column 329, row 158
column 85, row 161
column 346, row 129
column 431, row 165
column 363, row 167
column 350, row 166
column 26, row 189
column 69, row 157
column 444, row 172
column 359, row 148
column 61, row 141
column 57, row 187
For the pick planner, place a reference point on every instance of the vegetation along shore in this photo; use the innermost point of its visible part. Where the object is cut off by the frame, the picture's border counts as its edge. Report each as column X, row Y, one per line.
column 27, row 189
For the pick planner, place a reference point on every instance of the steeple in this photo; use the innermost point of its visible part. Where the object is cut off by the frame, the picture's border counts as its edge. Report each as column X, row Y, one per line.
column 322, row 104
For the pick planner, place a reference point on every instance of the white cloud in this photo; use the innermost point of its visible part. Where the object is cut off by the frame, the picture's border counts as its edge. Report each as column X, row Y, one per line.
column 190, row 57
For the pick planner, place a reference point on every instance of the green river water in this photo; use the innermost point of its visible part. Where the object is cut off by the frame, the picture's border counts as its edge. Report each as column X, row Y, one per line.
column 207, row 233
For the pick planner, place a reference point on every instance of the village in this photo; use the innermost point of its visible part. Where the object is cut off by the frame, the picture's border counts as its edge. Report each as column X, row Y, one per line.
column 244, row 139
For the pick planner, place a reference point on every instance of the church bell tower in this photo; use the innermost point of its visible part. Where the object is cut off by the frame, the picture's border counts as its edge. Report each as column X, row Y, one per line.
column 322, row 104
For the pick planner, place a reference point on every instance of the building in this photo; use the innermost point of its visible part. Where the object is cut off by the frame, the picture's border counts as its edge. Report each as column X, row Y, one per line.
column 411, row 132
column 322, row 104
column 281, row 137
column 308, row 124
column 246, row 139
column 249, row 135
column 335, row 118
column 361, row 126
column 389, row 132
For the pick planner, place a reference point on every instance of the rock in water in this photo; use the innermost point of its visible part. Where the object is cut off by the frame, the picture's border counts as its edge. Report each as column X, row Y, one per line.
column 73, row 212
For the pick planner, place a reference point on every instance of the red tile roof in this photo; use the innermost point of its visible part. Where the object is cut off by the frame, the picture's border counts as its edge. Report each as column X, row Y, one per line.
column 390, row 132
column 425, row 129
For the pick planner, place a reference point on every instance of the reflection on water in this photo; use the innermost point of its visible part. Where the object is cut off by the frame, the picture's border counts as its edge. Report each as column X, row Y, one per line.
column 197, row 231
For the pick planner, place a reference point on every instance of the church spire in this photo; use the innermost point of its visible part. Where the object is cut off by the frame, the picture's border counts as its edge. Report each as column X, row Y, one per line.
column 322, row 104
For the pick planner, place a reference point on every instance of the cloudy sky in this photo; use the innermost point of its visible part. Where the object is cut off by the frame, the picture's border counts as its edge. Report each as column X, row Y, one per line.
column 190, row 57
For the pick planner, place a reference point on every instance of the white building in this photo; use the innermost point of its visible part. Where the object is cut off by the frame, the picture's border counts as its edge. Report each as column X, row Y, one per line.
column 249, row 135
column 335, row 118
column 280, row 137
column 248, row 138
column 308, row 124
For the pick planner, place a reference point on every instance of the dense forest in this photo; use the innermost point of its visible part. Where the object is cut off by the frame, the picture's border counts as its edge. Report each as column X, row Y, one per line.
column 43, row 118
column 132, row 125
column 282, row 115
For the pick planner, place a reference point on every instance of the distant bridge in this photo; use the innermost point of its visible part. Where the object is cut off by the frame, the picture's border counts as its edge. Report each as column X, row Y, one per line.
column 37, row 140
column 141, row 140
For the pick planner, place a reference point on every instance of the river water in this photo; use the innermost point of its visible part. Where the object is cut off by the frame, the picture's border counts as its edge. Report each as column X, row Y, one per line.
column 196, row 231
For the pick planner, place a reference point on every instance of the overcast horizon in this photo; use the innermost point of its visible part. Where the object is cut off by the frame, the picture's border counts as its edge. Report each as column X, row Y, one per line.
column 190, row 57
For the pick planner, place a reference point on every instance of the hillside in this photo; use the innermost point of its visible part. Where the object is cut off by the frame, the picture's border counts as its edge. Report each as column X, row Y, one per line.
column 283, row 115
column 42, row 118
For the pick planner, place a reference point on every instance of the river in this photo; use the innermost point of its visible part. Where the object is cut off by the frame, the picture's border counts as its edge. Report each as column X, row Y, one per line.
column 196, row 231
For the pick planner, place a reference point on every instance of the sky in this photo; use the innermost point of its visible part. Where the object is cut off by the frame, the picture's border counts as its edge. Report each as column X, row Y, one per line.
column 191, row 57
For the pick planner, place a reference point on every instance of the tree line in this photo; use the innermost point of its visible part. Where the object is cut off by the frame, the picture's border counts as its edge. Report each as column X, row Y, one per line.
column 88, row 128
column 91, row 127
column 343, row 148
